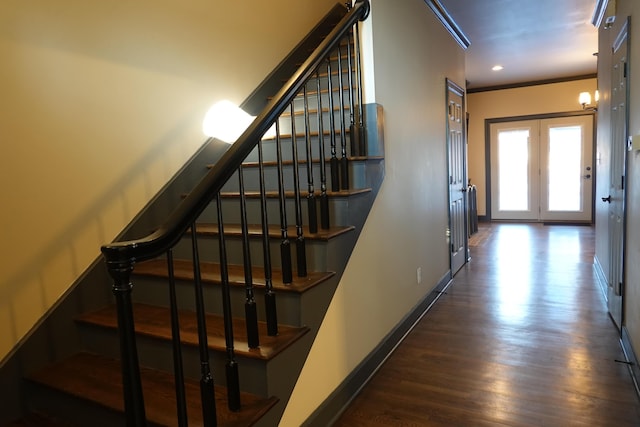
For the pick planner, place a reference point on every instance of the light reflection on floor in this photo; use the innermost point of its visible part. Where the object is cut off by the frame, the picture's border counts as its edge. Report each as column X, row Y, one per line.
column 514, row 273
column 521, row 338
column 533, row 276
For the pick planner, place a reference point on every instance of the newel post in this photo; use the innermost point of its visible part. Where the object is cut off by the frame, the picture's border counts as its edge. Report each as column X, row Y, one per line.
column 131, row 383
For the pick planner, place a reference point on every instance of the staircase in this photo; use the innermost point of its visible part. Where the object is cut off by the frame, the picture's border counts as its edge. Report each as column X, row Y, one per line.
column 195, row 326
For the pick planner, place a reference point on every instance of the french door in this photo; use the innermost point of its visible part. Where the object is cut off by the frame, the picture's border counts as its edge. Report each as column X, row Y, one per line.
column 541, row 170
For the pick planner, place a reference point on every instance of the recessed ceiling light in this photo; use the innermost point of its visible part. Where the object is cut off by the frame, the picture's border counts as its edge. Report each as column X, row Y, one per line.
column 497, row 67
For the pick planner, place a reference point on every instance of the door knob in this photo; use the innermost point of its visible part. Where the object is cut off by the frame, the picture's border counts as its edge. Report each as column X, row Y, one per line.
column 607, row 199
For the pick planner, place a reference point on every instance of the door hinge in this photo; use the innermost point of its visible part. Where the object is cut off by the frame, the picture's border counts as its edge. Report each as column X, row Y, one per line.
column 624, row 70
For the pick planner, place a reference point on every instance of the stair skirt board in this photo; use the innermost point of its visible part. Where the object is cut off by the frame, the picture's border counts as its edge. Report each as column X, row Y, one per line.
column 51, row 338
column 331, row 409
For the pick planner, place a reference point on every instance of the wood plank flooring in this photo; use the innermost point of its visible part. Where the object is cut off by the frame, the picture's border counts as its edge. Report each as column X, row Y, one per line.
column 521, row 338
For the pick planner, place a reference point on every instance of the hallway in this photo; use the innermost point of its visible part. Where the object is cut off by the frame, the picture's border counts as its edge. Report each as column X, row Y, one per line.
column 520, row 338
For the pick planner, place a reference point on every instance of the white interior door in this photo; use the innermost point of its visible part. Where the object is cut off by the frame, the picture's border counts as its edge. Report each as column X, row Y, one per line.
column 541, row 170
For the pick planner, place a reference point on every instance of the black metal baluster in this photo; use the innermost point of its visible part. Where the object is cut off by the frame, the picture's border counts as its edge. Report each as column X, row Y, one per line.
column 269, row 296
column 333, row 163
column 231, row 366
column 311, row 197
column 131, row 382
column 285, row 244
column 301, row 256
column 353, row 131
column 250, row 309
column 360, row 114
column 344, row 163
column 324, row 200
column 207, row 394
column 181, row 400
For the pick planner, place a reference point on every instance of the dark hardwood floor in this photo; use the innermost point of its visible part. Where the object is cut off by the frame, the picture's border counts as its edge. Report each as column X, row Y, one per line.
column 521, row 338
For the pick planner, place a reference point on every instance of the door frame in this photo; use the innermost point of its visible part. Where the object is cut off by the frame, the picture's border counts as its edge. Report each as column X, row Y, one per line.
column 487, row 149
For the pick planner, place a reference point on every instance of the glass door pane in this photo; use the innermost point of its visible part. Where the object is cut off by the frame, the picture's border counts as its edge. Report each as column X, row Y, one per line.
column 514, row 170
column 513, row 160
column 565, row 149
column 566, row 191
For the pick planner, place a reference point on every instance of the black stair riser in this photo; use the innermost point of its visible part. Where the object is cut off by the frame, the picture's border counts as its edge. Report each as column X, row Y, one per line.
column 156, row 353
column 357, row 176
column 231, row 211
column 334, row 71
column 208, row 247
column 72, row 410
column 269, row 148
column 312, row 88
column 312, row 102
column 154, row 291
column 335, row 79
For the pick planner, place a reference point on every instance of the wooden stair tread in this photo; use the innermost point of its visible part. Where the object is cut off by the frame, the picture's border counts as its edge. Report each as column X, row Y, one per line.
column 334, row 57
column 154, row 321
column 314, row 92
column 255, row 230
column 98, row 379
column 210, row 272
column 290, row 194
column 313, row 134
column 334, row 73
column 254, row 164
column 287, row 113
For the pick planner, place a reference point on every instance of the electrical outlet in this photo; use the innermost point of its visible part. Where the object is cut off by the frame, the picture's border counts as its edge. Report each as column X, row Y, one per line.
column 419, row 275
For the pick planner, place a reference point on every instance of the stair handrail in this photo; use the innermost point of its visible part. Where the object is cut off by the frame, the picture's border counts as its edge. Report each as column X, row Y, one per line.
column 124, row 254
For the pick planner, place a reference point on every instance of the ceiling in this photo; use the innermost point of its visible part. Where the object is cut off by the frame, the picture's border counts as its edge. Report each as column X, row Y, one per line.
column 532, row 39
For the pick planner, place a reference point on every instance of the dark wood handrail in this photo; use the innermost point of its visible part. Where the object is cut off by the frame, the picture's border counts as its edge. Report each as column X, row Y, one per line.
column 126, row 253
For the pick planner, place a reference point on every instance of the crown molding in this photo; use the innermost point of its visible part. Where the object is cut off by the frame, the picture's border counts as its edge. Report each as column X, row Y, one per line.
column 531, row 83
column 598, row 12
column 445, row 18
